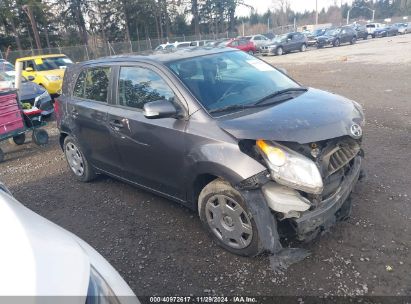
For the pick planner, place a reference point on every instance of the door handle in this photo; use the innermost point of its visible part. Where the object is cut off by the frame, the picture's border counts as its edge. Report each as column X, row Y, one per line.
column 116, row 124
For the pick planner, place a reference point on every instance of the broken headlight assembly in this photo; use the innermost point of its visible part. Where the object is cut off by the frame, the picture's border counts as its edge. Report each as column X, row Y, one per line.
column 291, row 169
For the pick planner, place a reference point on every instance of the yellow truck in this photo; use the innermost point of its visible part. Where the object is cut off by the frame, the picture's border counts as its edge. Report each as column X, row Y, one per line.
column 46, row 70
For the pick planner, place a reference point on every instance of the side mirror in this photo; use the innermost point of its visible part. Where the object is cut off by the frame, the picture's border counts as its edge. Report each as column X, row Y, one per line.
column 30, row 78
column 29, row 69
column 159, row 109
column 282, row 70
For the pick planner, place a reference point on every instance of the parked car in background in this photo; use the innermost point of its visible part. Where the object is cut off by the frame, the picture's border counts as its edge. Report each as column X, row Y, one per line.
column 337, row 36
column 312, row 36
column 223, row 42
column 286, row 43
column 39, row 259
column 403, row 28
column 258, row 40
column 221, row 132
column 7, row 67
column 243, row 44
column 46, row 70
column 31, row 95
column 361, row 30
column 200, row 42
column 386, row 31
column 372, row 27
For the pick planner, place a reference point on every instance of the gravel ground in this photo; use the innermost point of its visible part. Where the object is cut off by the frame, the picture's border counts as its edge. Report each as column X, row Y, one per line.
column 160, row 247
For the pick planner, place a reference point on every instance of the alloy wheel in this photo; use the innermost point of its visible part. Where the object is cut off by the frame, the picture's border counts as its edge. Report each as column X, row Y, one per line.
column 229, row 221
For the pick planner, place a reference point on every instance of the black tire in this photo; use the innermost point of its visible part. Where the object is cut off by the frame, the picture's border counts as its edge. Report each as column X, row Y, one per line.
column 365, row 37
column 279, row 51
column 88, row 173
column 250, row 52
column 19, row 139
column 303, row 47
column 336, row 42
column 40, row 137
column 212, row 193
column 1, row 155
column 353, row 40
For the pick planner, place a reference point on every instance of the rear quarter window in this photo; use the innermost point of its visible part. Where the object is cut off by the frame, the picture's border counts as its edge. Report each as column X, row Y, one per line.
column 92, row 84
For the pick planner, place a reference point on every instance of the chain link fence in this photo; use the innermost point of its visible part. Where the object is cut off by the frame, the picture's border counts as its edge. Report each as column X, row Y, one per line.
column 97, row 49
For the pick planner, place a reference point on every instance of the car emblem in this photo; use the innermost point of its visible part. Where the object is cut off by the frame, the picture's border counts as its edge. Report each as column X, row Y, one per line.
column 356, row 131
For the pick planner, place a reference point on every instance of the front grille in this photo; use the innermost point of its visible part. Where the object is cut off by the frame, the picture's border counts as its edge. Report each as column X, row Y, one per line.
column 342, row 157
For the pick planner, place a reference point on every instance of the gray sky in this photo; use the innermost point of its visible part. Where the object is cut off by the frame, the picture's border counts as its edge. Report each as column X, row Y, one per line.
column 297, row 5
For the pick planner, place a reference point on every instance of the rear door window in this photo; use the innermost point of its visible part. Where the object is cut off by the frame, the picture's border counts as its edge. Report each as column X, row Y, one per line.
column 93, row 84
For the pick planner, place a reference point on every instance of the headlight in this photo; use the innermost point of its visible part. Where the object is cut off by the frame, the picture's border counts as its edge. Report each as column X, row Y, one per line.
column 98, row 290
column 43, row 95
column 291, row 169
column 53, row 78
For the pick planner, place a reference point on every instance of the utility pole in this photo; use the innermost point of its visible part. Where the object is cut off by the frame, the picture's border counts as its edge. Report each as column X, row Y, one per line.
column 268, row 25
column 27, row 9
column 316, row 12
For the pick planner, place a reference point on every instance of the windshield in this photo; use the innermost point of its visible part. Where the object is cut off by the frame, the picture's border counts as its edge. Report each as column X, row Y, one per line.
column 52, row 63
column 318, row 32
column 280, row 38
column 229, row 79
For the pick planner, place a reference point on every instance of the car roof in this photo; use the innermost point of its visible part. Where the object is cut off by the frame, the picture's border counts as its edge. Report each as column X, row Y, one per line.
column 40, row 56
column 162, row 57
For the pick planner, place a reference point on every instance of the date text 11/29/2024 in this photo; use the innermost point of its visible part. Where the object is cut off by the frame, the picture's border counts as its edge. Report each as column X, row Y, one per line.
column 203, row 299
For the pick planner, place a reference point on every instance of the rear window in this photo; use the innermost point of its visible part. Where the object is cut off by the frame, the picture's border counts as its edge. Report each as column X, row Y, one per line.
column 93, row 84
column 370, row 25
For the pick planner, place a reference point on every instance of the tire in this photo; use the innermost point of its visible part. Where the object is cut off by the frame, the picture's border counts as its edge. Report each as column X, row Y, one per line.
column 1, row 155
column 40, row 137
column 250, row 52
column 235, row 230
column 366, row 37
column 353, row 40
column 19, row 139
column 279, row 51
column 336, row 43
column 76, row 160
column 303, row 47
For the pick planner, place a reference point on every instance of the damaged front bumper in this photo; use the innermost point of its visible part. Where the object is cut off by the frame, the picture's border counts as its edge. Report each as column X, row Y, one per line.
column 329, row 210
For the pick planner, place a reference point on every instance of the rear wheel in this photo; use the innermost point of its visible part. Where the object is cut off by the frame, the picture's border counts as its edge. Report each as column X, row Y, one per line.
column 77, row 161
column 353, row 40
column 225, row 216
column 1, row 155
column 40, row 137
column 251, row 52
column 19, row 139
column 279, row 51
column 303, row 48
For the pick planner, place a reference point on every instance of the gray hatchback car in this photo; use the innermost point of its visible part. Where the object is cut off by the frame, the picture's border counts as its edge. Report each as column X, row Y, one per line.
column 222, row 132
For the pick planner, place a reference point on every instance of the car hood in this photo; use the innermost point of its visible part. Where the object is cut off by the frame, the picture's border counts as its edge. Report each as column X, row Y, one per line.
column 29, row 90
column 38, row 257
column 313, row 116
column 325, row 37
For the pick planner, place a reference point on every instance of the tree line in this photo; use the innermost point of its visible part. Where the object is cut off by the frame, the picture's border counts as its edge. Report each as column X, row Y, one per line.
column 49, row 23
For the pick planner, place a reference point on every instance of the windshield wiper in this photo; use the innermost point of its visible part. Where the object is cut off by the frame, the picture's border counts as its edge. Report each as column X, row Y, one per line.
column 230, row 108
column 279, row 93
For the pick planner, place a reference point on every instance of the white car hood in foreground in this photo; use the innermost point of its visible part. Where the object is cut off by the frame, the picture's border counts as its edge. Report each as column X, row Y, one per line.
column 40, row 258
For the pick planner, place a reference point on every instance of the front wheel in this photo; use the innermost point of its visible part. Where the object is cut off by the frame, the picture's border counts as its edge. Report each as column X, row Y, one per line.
column 303, row 48
column 225, row 216
column 77, row 161
column 353, row 40
column 279, row 51
column 251, row 52
column 336, row 42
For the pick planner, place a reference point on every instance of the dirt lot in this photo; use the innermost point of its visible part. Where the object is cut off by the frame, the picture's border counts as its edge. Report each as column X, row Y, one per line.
column 160, row 247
